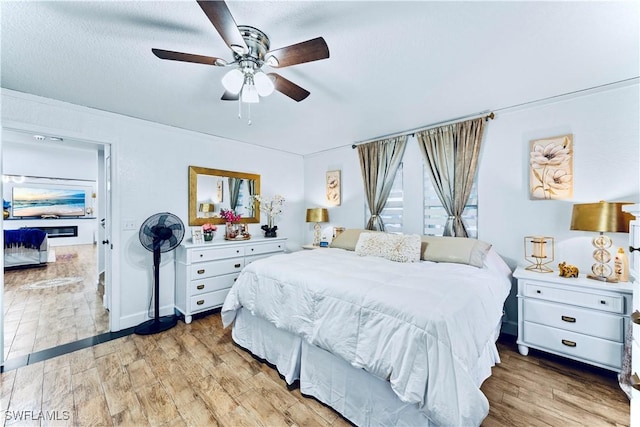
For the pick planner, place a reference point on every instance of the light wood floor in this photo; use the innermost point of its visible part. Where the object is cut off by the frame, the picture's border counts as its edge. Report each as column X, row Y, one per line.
column 195, row 375
column 48, row 316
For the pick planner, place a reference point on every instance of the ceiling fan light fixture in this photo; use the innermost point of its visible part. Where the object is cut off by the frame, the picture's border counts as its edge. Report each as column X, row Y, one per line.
column 250, row 94
column 263, row 83
column 233, row 80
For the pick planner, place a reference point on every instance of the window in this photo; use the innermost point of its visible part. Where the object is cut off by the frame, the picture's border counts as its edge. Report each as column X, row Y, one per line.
column 391, row 215
column 435, row 216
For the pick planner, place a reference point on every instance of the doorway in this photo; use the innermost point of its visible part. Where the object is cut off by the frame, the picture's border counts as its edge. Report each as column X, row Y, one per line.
column 68, row 297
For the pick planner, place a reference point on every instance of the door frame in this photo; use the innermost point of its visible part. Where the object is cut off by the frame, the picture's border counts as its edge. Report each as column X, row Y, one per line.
column 112, row 217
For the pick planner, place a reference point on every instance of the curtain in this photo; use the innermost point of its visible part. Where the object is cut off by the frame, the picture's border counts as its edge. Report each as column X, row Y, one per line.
column 251, row 184
column 234, row 192
column 451, row 155
column 379, row 161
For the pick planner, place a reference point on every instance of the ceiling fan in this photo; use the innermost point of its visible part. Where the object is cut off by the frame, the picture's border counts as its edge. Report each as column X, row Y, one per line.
column 247, row 82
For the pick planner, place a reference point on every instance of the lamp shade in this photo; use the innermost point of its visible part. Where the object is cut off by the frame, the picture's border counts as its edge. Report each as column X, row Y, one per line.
column 233, row 80
column 317, row 215
column 602, row 217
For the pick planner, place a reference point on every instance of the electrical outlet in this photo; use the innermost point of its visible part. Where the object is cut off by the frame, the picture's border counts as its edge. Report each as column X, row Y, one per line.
column 128, row 224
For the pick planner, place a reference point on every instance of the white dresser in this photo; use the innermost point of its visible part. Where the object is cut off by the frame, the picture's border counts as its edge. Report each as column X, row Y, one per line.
column 579, row 318
column 634, row 275
column 206, row 271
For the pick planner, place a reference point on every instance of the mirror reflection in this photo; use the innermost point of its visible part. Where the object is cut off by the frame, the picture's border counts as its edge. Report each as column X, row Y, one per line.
column 211, row 190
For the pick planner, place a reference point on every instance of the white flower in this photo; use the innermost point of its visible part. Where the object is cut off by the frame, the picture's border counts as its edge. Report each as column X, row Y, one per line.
column 552, row 154
column 558, row 179
column 272, row 207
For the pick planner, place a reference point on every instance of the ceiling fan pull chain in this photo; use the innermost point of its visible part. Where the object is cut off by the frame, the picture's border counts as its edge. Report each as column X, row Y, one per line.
column 249, row 113
column 239, row 108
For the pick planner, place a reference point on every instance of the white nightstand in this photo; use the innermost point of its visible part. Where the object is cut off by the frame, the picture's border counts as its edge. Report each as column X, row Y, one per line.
column 579, row 318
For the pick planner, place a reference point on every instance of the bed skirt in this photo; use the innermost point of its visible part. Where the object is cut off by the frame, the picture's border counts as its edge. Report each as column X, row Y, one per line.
column 362, row 398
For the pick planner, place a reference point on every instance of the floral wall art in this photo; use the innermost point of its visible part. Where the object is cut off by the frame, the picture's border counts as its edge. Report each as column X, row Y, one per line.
column 551, row 168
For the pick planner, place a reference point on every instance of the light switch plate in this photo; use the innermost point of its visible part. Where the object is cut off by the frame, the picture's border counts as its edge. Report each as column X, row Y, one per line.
column 128, row 224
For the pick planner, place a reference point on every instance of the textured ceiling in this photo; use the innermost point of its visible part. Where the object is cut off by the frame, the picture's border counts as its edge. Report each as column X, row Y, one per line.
column 394, row 66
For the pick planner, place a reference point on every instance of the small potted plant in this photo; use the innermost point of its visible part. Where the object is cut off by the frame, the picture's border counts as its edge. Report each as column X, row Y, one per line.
column 272, row 208
column 208, row 231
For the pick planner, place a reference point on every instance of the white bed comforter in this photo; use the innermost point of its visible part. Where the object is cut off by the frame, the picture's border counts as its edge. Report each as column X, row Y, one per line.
column 422, row 326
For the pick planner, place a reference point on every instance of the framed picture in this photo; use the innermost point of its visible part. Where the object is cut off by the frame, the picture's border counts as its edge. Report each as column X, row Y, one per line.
column 196, row 235
column 551, row 168
column 220, row 191
column 333, row 188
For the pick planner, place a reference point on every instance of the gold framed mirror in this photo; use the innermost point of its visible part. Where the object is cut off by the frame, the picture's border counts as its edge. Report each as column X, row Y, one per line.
column 211, row 190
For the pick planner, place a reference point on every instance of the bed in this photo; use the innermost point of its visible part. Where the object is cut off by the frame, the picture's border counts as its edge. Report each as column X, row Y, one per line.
column 25, row 247
column 382, row 342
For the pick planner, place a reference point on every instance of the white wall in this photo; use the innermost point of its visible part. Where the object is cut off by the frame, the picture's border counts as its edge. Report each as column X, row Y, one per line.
column 606, row 163
column 150, row 174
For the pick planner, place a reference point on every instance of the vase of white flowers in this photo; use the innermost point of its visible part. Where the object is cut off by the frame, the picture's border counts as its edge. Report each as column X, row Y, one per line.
column 272, row 208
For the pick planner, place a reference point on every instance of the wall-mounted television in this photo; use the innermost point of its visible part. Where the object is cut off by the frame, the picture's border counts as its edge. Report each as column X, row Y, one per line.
column 43, row 202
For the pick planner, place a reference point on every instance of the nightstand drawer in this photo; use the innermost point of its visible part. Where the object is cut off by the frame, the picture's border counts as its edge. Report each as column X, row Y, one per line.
column 612, row 303
column 571, row 318
column 210, row 254
column 211, row 284
column 207, row 301
column 580, row 346
column 216, row 268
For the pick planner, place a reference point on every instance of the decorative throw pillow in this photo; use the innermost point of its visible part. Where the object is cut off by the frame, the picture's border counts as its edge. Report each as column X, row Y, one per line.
column 460, row 250
column 403, row 248
column 394, row 247
column 349, row 238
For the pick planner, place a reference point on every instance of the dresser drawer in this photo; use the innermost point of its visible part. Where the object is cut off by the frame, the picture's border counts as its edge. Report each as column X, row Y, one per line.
column 571, row 318
column 210, row 254
column 612, row 303
column 264, row 248
column 576, row 345
column 207, row 301
column 211, row 284
column 203, row 270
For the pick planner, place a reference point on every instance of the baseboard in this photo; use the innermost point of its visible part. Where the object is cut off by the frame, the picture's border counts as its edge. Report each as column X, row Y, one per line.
column 137, row 318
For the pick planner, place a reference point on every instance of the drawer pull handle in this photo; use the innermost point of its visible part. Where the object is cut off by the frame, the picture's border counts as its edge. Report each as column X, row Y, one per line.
column 201, row 255
column 538, row 291
column 635, row 317
column 199, row 287
column 237, row 265
column 251, row 249
column 635, row 381
column 200, row 302
column 569, row 343
column 237, row 251
column 569, row 319
column 602, row 301
column 631, row 249
column 234, row 280
column 201, row 271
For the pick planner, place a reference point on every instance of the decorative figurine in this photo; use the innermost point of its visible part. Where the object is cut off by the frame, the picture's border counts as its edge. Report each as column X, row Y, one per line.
column 568, row 270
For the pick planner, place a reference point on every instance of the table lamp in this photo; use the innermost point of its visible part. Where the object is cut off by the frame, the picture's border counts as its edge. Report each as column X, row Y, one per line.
column 603, row 217
column 207, row 209
column 317, row 215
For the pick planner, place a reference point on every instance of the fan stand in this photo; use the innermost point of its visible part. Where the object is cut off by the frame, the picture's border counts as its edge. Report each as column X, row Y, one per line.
column 157, row 324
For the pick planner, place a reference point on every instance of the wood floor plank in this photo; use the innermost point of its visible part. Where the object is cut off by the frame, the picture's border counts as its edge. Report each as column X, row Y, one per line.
column 156, row 403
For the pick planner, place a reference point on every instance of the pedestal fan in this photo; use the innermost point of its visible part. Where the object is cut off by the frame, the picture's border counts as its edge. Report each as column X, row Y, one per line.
column 161, row 232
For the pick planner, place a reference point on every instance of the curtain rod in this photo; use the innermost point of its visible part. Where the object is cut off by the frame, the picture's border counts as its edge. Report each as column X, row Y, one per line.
column 411, row 132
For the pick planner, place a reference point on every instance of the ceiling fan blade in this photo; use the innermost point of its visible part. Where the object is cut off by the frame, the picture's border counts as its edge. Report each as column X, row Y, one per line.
column 228, row 96
column 288, row 88
column 188, row 57
column 311, row 50
column 221, row 18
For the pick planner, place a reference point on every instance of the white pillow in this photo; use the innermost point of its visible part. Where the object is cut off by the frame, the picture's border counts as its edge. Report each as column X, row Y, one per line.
column 394, row 247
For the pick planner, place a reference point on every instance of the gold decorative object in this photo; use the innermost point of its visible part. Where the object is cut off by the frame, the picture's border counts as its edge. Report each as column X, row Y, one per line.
column 601, row 217
column 317, row 215
column 568, row 270
column 539, row 251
